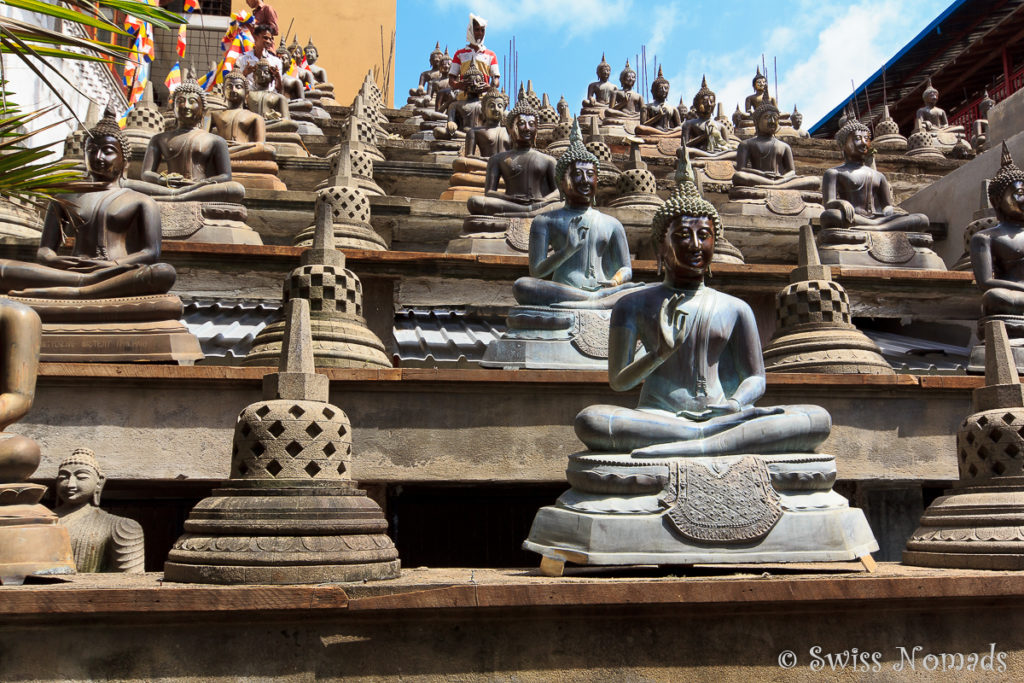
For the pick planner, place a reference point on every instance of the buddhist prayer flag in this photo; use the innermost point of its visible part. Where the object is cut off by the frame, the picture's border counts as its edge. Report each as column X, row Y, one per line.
column 236, row 41
column 173, row 79
column 138, row 64
column 191, row 6
column 181, row 39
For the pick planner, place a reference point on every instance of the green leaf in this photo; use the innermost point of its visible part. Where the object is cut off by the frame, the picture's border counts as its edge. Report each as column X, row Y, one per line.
column 66, row 14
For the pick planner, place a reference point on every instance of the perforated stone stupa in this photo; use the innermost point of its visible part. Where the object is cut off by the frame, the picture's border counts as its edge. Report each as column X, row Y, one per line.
column 290, row 512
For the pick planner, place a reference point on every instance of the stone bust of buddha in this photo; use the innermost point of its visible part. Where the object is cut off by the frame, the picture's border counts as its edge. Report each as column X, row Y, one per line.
column 100, row 541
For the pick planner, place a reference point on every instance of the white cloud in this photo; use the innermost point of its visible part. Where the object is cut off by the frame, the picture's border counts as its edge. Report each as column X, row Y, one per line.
column 572, row 16
column 665, row 19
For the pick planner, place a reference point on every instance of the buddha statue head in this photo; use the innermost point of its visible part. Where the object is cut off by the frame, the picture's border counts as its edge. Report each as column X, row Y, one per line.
column 311, row 52
column 79, row 480
column 474, row 80
column 236, row 87
column 492, row 107
column 796, row 118
column 604, row 70
column 297, row 52
column 577, row 170
column 286, row 59
column 436, row 56
column 854, row 139
column 660, row 87
column 766, row 118
column 931, row 94
column 759, row 82
column 446, row 61
column 704, row 100
column 522, row 124
column 189, row 102
column 1006, row 190
column 263, row 76
column 684, row 231
column 106, row 148
column 627, row 77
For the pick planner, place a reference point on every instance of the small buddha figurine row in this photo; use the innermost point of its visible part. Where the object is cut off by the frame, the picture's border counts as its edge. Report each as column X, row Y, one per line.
column 612, row 104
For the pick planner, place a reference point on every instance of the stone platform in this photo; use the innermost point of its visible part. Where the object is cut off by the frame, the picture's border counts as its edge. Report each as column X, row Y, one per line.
column 760, row 622
column 514, row 426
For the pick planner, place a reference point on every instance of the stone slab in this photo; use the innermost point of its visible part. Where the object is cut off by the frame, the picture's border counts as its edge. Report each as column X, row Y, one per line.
column 433, row 625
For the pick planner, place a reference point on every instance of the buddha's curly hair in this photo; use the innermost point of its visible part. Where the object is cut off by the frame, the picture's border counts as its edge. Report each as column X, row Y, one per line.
column 848, row 129
column 189, row 85
column 704, row 90
column 765, row 107
column 577, row 151
column 1004, row 179
column 522, row 108
column 108, row 126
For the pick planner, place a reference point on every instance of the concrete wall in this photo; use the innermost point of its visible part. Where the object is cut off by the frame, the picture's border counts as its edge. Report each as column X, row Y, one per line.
column 347, row 35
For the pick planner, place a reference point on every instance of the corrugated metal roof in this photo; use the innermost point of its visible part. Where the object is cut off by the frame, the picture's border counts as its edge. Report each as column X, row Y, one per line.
column 444, row 337
column 226, row 329
column 921, row 356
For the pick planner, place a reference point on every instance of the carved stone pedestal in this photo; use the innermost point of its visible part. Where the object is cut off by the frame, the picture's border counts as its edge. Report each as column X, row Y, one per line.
column 32, row 542
column 493, row 235
column 257, row 175
column 216, row 222
column 541, row 337
column 877, row 249
column 119, row 330
column 725, row 509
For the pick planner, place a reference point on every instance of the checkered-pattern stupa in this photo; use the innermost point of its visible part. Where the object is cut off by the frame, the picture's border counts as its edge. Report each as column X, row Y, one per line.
column 814, row 330
column 341, row 338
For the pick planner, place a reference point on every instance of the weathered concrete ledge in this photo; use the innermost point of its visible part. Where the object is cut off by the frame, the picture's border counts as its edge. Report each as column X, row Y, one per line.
column 428, row 425
column 707, row 623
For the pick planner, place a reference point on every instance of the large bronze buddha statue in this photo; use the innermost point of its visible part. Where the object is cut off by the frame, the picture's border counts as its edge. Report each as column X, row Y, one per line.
column 252, row 159
column 116, row 232
column 487, row 137
column 626, row 103
column 705, row 136
column 107, row 299
column 997, row 257
column 766, row 161
column 658, row 118
column 579, row 265
column 860, row 224
column 600, row 93
column 932, row 119
column 650, row 488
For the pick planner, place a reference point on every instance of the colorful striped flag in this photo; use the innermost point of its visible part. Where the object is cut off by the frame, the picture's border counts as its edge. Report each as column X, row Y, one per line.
column 191, row 6
column 236, row 41
column 173, row 79
column 181, row 39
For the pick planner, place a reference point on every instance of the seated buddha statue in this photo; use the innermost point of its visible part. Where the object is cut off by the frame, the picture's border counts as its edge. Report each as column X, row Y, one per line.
column 626, row 103
column 932, row 119
column 705, row 136
column 860, row 224
column 696, row 472
column 697, row 354
column 108, row 299
column 197, row 196
column 658, row 118
column 760, row 95
column 421, row 95
column 264, row 100
column 304, row 112
column 100, row 541
column 979, row 129
column 766, row 161
column 464, row 113
column 579, row 264
column 252, row 159
column 529, row 175
column 577, row 253
column 321, row 82
column 996, row 252
column 487, row 137
column 600, row 93
column 116, row 231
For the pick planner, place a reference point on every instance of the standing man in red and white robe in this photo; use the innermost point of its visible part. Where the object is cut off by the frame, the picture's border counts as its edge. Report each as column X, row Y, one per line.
column 486, row 61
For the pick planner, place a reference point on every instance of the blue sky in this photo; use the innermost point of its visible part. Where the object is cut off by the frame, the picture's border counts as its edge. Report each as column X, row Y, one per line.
column 820, row 45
